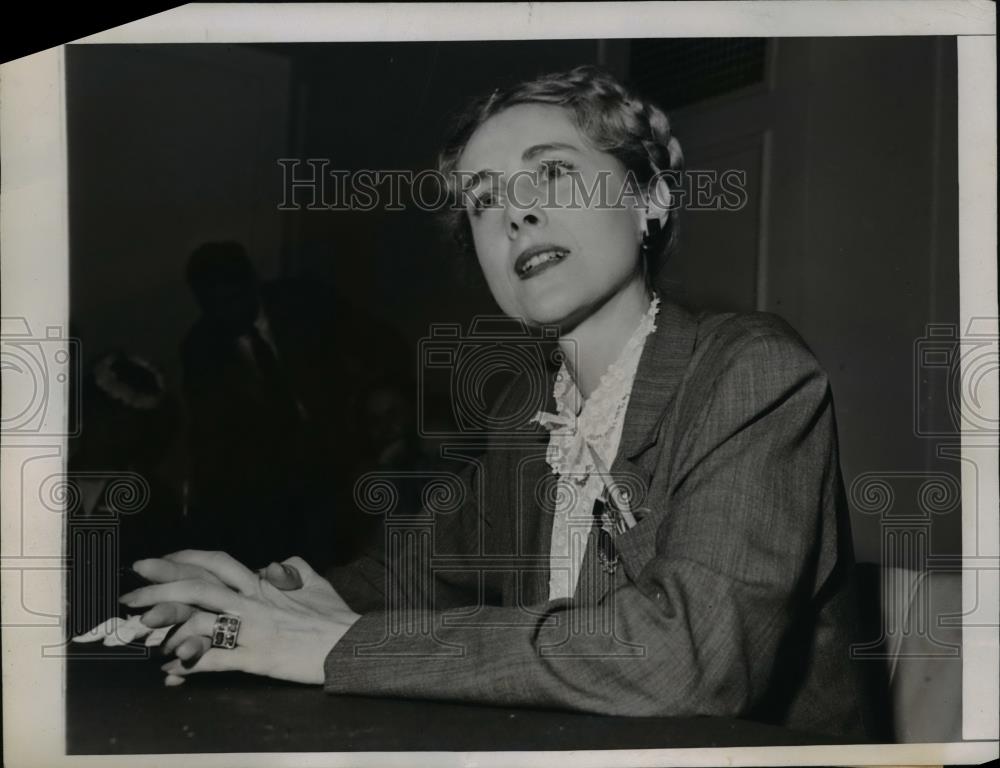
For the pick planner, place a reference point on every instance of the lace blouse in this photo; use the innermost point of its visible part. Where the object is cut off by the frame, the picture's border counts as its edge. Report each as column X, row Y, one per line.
column 579, row 428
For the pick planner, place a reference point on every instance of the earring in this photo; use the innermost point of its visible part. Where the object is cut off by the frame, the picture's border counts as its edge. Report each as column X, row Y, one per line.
column 660, row 203
column 657, row 209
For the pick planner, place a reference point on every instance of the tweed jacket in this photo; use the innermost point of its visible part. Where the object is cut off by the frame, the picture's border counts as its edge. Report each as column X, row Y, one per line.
column 732, row 596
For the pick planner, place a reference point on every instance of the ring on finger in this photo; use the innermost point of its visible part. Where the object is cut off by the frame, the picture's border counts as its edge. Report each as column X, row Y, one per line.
column 225, row 631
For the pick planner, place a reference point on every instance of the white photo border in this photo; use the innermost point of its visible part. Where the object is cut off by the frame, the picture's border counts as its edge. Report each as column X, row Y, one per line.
column 34, row 245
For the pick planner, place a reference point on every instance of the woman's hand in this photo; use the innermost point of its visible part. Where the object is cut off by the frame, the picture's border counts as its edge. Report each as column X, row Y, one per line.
column 283, row 634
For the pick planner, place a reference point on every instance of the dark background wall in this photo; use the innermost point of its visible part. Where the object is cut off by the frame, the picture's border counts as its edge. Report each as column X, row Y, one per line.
column 850, row 231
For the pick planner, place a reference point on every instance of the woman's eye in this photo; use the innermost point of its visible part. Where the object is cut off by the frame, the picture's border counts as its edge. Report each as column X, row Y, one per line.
column 482, row 203
column 478, row 205
column 553, row 169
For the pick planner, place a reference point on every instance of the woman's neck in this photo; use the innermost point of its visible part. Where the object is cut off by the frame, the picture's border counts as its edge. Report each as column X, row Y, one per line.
column 596, row 342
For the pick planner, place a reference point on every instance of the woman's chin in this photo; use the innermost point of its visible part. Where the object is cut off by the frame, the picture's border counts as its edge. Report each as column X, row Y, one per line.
column 554, row 308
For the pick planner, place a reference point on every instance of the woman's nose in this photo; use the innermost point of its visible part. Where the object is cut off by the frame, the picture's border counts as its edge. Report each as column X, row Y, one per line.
column 526, row 219
column 523, row 208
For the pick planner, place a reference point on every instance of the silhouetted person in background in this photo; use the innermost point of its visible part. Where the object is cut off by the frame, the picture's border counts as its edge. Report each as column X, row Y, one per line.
column 272, row 373
column 246, row 420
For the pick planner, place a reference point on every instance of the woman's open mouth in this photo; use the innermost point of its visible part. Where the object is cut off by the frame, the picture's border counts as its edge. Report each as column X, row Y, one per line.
column 537, row 259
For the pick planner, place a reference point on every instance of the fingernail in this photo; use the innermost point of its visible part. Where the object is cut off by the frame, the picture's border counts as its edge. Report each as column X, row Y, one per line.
column 127, row 598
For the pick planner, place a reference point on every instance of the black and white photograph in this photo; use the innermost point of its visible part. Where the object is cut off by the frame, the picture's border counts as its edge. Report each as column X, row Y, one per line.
column 534, row 383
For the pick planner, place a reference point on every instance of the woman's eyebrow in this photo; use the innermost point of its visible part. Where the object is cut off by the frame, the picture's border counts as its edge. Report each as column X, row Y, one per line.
column 473, row 179
column 537, row 149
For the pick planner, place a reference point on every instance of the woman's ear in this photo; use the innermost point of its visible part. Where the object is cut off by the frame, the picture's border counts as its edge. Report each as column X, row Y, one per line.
column 658, row 202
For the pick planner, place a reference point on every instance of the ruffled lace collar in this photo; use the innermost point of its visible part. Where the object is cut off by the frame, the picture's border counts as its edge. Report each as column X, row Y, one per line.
column 598, row 423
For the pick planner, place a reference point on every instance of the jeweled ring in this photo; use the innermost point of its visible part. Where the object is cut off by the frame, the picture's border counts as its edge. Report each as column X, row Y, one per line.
column 225, row 631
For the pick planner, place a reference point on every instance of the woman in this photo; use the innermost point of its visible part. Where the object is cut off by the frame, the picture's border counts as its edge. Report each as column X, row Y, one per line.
column 669, row 537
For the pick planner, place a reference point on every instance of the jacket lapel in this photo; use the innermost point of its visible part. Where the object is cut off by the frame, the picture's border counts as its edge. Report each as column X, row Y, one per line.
column 538, row 486
column 534, row 502
column 662, row 367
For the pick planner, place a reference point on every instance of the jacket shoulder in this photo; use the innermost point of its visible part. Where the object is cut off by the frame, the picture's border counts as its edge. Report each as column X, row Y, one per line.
column 749, row 340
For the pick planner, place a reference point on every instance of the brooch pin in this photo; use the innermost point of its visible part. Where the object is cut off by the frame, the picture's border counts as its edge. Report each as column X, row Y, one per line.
column 607, row 556
column 616, row 516
column 623, row 519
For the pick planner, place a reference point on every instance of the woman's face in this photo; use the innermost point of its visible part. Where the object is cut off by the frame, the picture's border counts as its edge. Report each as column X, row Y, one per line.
column 544, row 263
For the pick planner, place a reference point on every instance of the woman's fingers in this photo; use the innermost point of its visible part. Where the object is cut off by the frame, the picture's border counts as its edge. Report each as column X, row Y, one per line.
column 167, row 614
column 200, row 624
column 160, row 570
column 283, row 576
column 192, row 649
column 305, row 571
column 221, row 565
column 213, row 660
column 211, row 597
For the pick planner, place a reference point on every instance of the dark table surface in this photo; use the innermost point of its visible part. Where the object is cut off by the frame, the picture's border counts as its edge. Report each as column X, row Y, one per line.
column 119, row 705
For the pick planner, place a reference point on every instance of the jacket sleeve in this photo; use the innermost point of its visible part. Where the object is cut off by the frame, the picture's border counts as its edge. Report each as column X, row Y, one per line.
column 737, row 532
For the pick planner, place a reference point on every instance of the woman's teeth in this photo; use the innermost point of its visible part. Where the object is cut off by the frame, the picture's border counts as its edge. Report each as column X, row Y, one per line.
column 540, row 258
